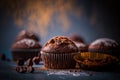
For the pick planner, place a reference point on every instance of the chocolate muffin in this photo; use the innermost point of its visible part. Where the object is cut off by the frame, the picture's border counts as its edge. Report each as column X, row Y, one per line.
column 25, row 48
column 104, row 45
column 26, row 45
column 82, row 47
column 102, row 52
column 58, row 53
column 27, row 34
column 76, row 38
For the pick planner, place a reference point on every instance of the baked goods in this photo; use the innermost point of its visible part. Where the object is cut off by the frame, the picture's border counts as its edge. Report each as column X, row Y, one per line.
column 102, row 52
column 25, row 46
column 58, row 53
column 82, row 47
column 27, row 34
column 103, row 44
column 76, row 38
column 29, row 62
column 20, row 62
column 36, row 60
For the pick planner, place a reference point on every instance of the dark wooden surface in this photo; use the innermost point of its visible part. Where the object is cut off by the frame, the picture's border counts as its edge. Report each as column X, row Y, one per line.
column 7, row 72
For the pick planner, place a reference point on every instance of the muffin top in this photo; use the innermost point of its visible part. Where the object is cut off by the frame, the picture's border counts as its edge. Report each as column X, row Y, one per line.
column 81, row 46
column 76, row 38
column 26, row 34
column 60, row 44
column 26, row 44
column 103, row 44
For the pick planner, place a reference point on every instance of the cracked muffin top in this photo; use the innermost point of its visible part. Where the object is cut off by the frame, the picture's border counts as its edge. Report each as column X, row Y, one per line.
column 26, row 44
column 26, row 34
column 103, row 44
column 59, row 44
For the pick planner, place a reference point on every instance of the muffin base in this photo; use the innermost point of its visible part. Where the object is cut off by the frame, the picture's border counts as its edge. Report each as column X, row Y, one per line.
column 24, row 53
column 58, row 60
column 95, row 61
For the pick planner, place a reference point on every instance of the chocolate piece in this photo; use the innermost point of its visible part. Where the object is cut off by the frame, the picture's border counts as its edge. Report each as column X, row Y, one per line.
column 36, row 60
column 20, row 62
column 29, row 62
column 3, row 57
column 21, row 69
column 30, row 69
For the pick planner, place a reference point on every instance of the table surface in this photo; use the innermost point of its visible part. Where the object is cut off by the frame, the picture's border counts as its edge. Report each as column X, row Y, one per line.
column 7, row 72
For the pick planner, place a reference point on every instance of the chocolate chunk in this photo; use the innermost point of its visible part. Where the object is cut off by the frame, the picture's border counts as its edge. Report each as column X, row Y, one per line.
column 20, row 62
column 36, row 60
column 21, row 69
column 17, row 69
column 3, row 57
column 29, row 62
column 30, row 69
column 24, row 69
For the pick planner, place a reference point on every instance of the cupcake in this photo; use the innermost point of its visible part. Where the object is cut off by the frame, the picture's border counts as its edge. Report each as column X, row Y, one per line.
column 26, row 45
column 82, row 47
column 27, row 34
column 58, row 53
column 102, row 53
column 76, row 38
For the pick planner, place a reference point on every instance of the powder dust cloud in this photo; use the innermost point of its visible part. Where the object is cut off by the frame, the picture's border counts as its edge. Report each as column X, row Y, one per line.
column 38, row 15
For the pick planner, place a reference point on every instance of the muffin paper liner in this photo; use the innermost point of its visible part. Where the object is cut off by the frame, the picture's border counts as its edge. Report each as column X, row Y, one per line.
column 58, row 60
column 94, row 56
column 24, row 53
column 114, row 52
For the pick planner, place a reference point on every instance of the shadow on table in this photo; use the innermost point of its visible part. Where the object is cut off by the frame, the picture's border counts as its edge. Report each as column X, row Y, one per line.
column 113, row 68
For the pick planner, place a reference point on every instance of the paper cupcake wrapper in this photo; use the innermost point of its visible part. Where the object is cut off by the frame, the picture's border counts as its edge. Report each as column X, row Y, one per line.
column 58, row 60
column 94, row 56
column 114, row 52
column 24, row 53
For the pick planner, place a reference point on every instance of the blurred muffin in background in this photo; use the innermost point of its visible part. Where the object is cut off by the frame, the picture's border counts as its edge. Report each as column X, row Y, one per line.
column 80, row 43
column 102, row 53
column 26, row 46
column 76, row 38
column 82, row 47
column 58, row 53
column 27, row 34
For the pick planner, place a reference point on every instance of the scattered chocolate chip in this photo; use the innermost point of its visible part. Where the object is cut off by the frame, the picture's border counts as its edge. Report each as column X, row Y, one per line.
column 29, row 62
column 21, row 69
column 17, row 69
column 24, row 69
column 36, row 60
column 30, row 69
column 3, row 57
column 70, row 70
column 20, row 62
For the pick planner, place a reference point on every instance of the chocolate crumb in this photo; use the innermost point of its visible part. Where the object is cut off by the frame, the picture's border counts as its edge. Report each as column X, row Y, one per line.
column 20, row 62
column 29, row 62
column 30, row 69
column 36, row 60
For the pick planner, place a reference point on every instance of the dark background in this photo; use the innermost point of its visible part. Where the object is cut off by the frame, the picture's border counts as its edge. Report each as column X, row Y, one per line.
column 100, row 19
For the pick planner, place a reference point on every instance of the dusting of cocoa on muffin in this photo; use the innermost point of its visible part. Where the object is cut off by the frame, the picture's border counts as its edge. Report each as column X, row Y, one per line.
column 60, row 44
